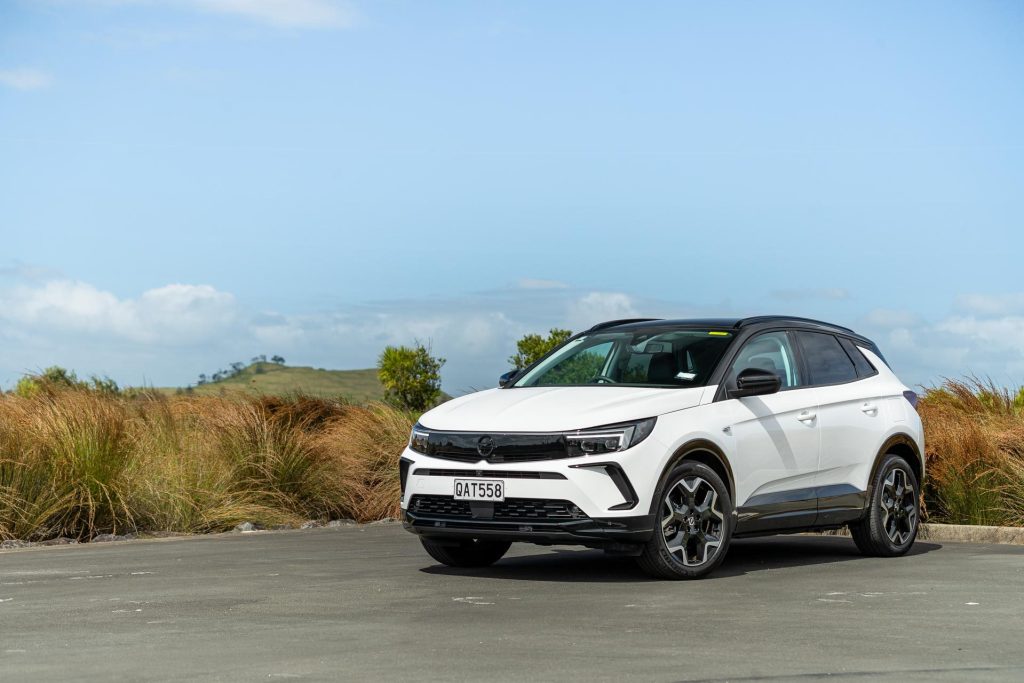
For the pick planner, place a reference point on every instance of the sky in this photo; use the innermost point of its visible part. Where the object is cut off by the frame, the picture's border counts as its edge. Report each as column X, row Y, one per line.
column 188, row 183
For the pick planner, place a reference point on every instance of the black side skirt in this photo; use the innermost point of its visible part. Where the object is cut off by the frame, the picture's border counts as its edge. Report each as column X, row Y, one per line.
column 800, row 510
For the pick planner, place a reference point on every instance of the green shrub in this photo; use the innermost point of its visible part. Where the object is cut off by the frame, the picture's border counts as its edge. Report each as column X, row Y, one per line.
column 411, row 376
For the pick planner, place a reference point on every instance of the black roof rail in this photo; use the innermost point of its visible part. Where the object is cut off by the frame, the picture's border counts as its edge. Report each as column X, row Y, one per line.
column 788, row 318
column 616, row 323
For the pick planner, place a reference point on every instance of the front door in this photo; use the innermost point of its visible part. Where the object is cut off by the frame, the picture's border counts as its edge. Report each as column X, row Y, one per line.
column 776, row 440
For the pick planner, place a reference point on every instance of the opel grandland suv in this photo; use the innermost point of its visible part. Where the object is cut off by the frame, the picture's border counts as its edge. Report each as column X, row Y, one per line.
column 665, row 439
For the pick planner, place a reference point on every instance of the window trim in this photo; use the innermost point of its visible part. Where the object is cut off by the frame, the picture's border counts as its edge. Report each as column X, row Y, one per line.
column 856, row 374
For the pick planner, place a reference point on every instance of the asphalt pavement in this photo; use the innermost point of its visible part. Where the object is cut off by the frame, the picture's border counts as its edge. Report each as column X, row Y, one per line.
column 366, row 603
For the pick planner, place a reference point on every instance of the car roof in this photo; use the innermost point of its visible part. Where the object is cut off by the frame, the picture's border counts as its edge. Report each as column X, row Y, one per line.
column 728, row 324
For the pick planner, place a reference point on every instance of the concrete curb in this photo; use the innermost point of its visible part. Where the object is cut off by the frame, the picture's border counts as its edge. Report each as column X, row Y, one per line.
column 1009, row 535
column 964, row 533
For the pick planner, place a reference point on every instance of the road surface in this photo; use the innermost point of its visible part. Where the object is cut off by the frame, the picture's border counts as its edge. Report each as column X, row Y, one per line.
column 365, row 603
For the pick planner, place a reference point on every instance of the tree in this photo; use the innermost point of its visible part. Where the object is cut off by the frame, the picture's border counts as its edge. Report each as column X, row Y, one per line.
column 533, row 347
column 277, row 359
column 202, row 379
column 55, row 378
column 411, row 376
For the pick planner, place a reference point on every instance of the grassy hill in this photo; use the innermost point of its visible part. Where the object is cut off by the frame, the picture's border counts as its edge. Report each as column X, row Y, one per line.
column 278, row 380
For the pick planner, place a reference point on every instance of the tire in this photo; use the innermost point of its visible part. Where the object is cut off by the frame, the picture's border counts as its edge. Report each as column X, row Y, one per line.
column 472, row 553
column 694, row 524
column 890, row 525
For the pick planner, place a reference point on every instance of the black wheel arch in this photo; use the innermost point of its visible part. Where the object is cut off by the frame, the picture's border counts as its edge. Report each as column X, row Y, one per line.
column 707, row 453
column 903, row 445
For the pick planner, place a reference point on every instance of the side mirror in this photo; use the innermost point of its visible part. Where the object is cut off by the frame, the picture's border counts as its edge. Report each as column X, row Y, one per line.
column 507, row 377
column 755, row 382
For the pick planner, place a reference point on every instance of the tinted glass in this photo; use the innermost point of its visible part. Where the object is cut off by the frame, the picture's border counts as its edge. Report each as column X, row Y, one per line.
column 825, row 358
column 863, row 365
column 769, row 351
column 660, row 357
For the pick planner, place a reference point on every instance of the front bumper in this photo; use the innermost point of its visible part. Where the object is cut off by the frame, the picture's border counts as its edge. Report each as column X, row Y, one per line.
column 581, row 501
column 595, row 533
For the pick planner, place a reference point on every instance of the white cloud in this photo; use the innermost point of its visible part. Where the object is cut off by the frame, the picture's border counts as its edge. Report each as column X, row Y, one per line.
column 887, row 318
column 986, row 344
column 169, row 334
column 597, row 307
column 25, row 78
column 1000, row 333
column 537, row 283
column 173, row 314
column 285, row 13
column 991, row 304
column 310, row 14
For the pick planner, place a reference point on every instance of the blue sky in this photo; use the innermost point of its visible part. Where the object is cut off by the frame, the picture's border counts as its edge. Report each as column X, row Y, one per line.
column 185, row 183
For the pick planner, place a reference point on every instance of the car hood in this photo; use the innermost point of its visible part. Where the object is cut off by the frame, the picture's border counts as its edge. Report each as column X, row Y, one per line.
column 555, row 409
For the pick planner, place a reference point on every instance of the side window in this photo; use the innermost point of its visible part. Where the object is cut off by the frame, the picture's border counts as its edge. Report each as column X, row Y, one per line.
column 769, row 351
column 863, row 365
column 825, row 358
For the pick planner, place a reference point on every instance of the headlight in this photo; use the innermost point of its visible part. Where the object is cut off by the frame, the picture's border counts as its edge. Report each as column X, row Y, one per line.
column 610, row 439
column 419, row 440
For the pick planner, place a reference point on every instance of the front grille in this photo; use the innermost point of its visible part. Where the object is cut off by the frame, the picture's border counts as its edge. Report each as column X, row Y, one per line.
column 498, row 448
column 511, row 509
column 495, row 474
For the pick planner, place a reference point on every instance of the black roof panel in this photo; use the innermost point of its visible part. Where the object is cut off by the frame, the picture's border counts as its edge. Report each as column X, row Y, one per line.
column 725, row 323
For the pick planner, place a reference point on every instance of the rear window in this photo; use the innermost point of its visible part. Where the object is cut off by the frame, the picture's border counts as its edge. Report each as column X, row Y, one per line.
column 826, row 360
column 863, row 365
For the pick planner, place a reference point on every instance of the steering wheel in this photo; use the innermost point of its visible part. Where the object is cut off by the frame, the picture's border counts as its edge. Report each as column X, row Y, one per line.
column 596, row 379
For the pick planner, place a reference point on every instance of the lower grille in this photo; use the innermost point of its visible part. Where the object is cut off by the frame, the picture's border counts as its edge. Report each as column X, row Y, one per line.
column 511, row 509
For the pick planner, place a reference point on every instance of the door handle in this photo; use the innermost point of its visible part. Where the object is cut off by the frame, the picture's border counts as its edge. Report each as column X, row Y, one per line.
column 807, row 416
column 869, row 408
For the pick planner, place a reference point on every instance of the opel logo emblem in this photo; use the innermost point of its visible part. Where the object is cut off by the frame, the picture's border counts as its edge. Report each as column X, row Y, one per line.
column 485, row 446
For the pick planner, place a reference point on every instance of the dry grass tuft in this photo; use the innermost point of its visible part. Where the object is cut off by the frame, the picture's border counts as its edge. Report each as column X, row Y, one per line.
column 974, row 434
column 78, row 463
column 364, row 445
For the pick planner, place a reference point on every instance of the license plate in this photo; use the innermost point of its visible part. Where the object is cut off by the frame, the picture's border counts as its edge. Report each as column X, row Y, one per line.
column 479, row 489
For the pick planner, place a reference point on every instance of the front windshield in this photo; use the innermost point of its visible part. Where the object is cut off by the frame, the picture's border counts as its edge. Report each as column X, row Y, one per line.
column 656, row 357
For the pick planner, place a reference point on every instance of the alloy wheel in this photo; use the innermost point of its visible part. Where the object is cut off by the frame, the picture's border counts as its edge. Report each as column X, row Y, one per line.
column 692, row 521
column 899, row 507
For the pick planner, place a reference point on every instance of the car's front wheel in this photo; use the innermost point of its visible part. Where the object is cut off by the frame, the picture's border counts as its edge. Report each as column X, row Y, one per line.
column 890, row 523
column 693, row 524
column 470, row 553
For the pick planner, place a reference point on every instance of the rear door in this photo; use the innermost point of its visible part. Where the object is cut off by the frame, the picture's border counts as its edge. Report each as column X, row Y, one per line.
column 851, row 417
column 775, row 439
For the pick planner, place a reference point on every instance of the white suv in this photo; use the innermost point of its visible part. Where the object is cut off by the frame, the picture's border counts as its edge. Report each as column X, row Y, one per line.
column 664, row 439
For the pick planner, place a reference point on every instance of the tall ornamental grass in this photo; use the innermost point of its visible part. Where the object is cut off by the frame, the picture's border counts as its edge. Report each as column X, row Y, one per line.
column 77, row 463
column 974, row 435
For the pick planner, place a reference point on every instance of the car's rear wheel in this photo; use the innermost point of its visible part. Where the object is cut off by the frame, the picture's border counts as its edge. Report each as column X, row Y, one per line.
column 694, row 523
column 890, row 524
column 470, row 553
